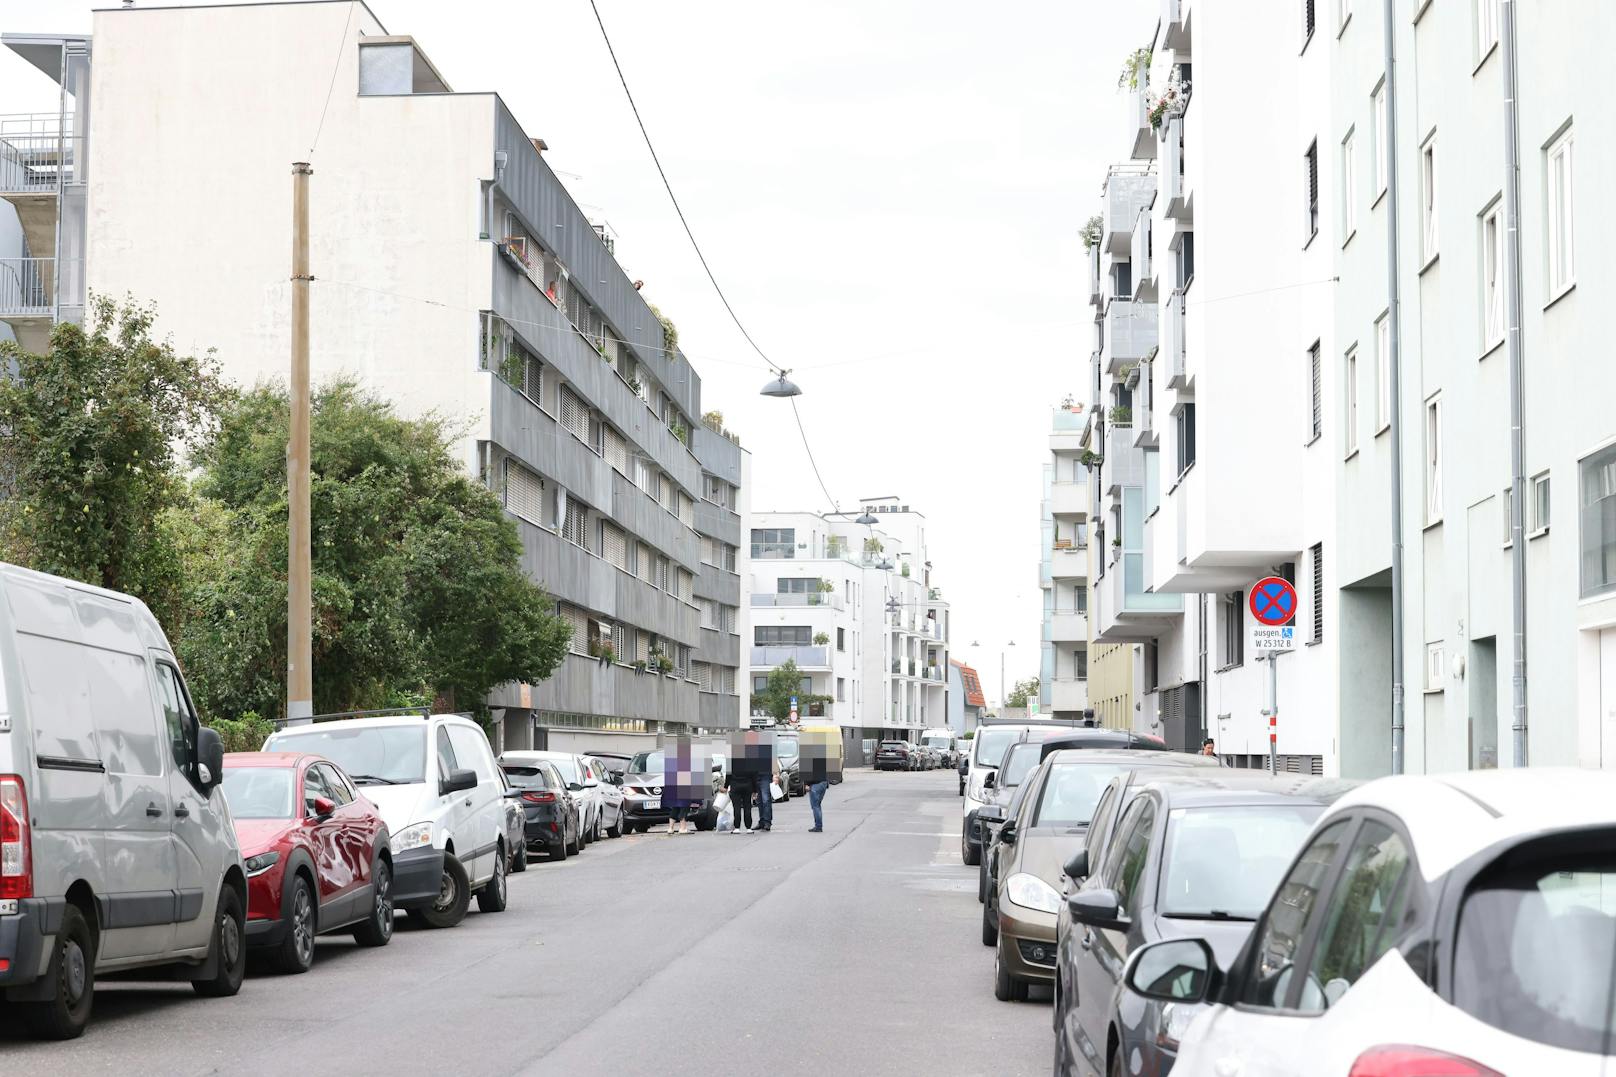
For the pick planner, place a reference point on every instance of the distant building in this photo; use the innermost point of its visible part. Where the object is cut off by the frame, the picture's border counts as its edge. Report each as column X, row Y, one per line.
column 1063, row 570
column 966, row 704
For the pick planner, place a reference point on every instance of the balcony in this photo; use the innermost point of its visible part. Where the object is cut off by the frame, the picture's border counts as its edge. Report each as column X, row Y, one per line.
column 1094, row 274
column 805, row 657
column 1174, row 186
column 1071, row 563
column 1068, row 626
column 1171, row 351
column 1130, row 332
column 830, row 600
column 1144, row 139
column 1124, row 461
column 1139, row 258
column 1124, row 611
column 36, row 155
column 583, row 685
column 1068, row 694
column 1126, row 193
column 1175, row 25
column 1144, row 420
column 1070, row 499
column 27, row 287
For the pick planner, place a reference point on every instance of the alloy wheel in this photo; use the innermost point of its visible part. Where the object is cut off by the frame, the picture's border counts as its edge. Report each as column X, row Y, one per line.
column 303, row 924
column 384, row 903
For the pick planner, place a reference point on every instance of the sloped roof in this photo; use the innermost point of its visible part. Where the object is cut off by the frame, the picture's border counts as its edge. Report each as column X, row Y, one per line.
column 973, row 684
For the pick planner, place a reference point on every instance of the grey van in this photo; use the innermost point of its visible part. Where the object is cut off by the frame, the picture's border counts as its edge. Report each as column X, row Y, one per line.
column 117, row 850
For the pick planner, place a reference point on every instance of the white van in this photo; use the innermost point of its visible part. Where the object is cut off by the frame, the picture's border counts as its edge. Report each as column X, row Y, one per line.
column 117, row 850
column 435, row 782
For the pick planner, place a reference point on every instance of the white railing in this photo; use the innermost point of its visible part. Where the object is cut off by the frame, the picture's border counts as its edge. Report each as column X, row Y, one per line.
column 825, row 598
column 27, row 285
column 37, row 155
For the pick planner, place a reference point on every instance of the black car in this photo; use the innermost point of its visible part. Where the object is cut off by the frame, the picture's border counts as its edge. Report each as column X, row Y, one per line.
column 551, row 811
column 1194, row 854
column 894, row 755
column 1104, row 738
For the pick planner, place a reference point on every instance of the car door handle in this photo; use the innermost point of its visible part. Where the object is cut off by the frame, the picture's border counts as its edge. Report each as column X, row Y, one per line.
column 153, row 810
column 1088, row 939
column 182, row 811
column 468, row 802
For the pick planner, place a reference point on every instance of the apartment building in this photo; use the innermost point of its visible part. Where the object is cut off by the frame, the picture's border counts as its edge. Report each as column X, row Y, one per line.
column 1243, row 392
column 857, row 609
column 453, row 273
column 966, row 704
column 1063, row 571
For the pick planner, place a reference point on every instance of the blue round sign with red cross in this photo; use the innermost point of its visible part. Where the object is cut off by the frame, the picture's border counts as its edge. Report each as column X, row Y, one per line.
column 1273, row 601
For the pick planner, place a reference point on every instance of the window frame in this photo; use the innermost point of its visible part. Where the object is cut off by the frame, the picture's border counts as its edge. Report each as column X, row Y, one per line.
column 1435, row 666
column 1484, row 16
column 1402, row 889
column 1539, row 501
column 1349, row 185
column 1315, row 386
column 1310, row 176
column 1429, row 230
column 1491, row 266
column 1350, row 404
column 1379, row 122
column 1560, row 212
column 1433, row 459
column 1383, row 372
column 1602, row 458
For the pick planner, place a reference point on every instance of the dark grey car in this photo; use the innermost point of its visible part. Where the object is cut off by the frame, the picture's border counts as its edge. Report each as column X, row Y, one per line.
column 1193, row 853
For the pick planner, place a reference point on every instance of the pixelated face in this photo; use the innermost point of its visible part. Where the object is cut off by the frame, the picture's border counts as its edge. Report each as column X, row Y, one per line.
column 687, row 772
column 821, row 756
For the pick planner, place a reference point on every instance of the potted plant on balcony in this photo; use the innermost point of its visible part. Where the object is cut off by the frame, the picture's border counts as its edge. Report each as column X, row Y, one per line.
column 681, row 432
column 601, row 649
column 1090, row 458
column 872, row 546
column 1091, row 232
column 1169, row 103
column 1135, row 70
column 1122, row 415
column 634, row 384
column 639, row 665
column 906, row 570
column 821, row 638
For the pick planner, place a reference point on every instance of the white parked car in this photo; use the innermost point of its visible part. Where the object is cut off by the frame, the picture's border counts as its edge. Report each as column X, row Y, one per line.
column 434, row 779
column 597, row 810
column 611, row 798
column 117, row 850
column 1462, row 925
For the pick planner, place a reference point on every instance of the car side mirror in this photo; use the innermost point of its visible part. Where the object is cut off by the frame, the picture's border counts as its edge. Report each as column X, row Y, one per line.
column 209, row 758
column 1097, row 908
column 591, row 784
column 458, row 780
column 1173, row 970
column 1078, row 866
column 1007, row 832
column 990, row 781
column 575, row 787
column 323, row 808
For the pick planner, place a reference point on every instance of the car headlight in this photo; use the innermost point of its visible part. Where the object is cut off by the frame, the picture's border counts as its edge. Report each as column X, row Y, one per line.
column 257, row 865
column 415, row 836
column 1175, row 1021
column 1031, row 892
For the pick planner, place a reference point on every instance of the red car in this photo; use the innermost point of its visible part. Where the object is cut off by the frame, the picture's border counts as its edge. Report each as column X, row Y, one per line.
column 316, row 854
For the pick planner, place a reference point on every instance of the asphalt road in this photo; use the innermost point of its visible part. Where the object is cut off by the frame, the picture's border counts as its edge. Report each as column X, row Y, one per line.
column 852, row 951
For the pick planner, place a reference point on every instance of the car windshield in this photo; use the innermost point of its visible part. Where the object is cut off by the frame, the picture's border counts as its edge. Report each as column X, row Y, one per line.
column 1018, row 763
column 568, row 767
column 788, row 749
column 372, row 754
column 1223, row 863
column 991, row 743
column 937, row 742
column 1536, row 946
column 1071, row 791
column 894, row 744
column 526, row 777
column 259, row 792
column 646, row 763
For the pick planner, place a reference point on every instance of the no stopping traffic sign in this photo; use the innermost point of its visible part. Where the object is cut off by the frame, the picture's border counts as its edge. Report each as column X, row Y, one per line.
column 1273, row 601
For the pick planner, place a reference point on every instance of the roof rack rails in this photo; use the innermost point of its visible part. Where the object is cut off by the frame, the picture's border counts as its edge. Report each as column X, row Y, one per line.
column 335, row 716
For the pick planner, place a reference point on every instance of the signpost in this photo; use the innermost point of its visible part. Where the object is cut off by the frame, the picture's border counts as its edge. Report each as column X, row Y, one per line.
column 793, row 717
column 1273, row 609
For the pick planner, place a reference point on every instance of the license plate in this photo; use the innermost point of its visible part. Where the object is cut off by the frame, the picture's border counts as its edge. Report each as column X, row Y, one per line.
column 654, row 803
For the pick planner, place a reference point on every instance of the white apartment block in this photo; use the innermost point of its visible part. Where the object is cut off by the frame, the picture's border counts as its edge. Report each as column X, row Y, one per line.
column 453, row 273
column 856, row 608
column 1242, row 285
column 1063, row 570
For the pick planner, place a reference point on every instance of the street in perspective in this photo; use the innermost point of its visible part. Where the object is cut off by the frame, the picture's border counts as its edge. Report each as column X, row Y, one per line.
column 599, row 535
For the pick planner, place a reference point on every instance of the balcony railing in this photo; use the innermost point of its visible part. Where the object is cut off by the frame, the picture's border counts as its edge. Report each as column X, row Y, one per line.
column 36, row 155
column 1130, row 332
column 828, row 599
column 1124, row 462
column 1172, row 344
column 805, row 657
column 1144, row 142
column 1172, row 168
column 1128, row 189
column 27, row 286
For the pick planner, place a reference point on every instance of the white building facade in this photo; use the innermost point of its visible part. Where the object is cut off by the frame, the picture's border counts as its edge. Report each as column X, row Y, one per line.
column 1243, row 396
column 453, row 274
column 857, row 609
column 1063, row 570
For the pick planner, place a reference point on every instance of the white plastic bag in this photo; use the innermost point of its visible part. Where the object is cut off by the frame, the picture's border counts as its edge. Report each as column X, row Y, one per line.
column 726, row 812
column 776, row 794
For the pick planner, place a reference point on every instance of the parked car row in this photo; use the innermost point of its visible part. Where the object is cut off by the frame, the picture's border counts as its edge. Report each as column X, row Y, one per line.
column 1198, row 919
column 907, row 755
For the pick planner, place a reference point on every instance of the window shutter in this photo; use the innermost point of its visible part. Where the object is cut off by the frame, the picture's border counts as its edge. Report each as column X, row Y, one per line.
column 1318, row 592
column 617, row 451
column 524, row 493
column 574, row 416
column 1314, row 376
column 614, row 547
column 579, row 622
column 573, row 527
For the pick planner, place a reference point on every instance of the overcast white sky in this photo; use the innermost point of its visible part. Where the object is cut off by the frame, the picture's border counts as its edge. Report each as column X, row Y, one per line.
column 888, row 190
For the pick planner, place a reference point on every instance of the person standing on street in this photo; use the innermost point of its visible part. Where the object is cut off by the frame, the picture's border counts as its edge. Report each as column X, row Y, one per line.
column 1209, row 748
column 741, row 784
column 680, row 791
column 770, row 772
column 816, row 797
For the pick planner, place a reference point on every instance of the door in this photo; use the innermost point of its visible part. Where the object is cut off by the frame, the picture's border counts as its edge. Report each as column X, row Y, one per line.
column 357, row 835
column 199, row 838
column 454, row 808
column 484, row 804
column 1607, row 699
column 1101, row 951
column 1248, row 1035
column 334, row 876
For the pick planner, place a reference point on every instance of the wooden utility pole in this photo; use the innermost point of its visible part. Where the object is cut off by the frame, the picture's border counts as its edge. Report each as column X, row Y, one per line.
column 299, row 601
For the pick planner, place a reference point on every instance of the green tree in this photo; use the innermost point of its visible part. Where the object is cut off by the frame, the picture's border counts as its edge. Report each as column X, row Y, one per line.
column 1022, row 692
column 417, row 580
column 96, row 428
column 784, row 682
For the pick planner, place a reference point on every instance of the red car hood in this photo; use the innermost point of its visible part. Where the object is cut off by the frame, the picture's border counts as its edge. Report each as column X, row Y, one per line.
column 259, row 835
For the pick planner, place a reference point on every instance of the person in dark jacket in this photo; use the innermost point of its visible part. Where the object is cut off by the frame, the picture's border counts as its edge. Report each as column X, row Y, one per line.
column 741, row 787
column 681, row 783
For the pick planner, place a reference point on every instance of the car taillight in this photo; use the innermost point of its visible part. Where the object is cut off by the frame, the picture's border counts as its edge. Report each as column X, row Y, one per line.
column 16, row 861
column 539, row 798
column 1402, row 1060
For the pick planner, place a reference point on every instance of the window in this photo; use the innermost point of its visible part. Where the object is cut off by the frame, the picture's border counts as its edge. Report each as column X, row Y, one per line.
column 471, row 749
column 524, row 493
column 1433, row 460
column 841, row 639
column 1350, row 419
column 617, row 451
column 1383, row 372
column 179, row 719
column 1379, row 121
column 1126, row 861
column 1232, row 618
column 841, row 689
column 774, row 542
column 447, row 763
column 1080, row 664
column 1428, row 199
column 1186, row 260
column 1433, row 666
column 1349, row 186
column 1315, row 392
column 797, row 585
column 613, row 545
column 574, row 414
column 1361, row 918
column 1310, row 177
column 574, row 524
column 1492, row 276
column 1538, row 503
column 1271, row 969
column 1343, row 12
column 1486, row 27
column 1316, row 571
column 760, row 684
column 1507, row 503
column 1562, row 261
column 782, row 635
column 1186, row 437
column 1152, row 670
column 1598, row 522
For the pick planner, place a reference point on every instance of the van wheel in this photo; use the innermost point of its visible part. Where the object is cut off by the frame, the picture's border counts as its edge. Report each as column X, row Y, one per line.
column 491, row 898
column 295, row 954
column 229, row 948
column 377, row 928
column 64, row 1015
column 454, row 897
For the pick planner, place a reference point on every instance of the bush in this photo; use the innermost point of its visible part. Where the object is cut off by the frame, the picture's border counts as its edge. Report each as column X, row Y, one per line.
column 244, row 734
